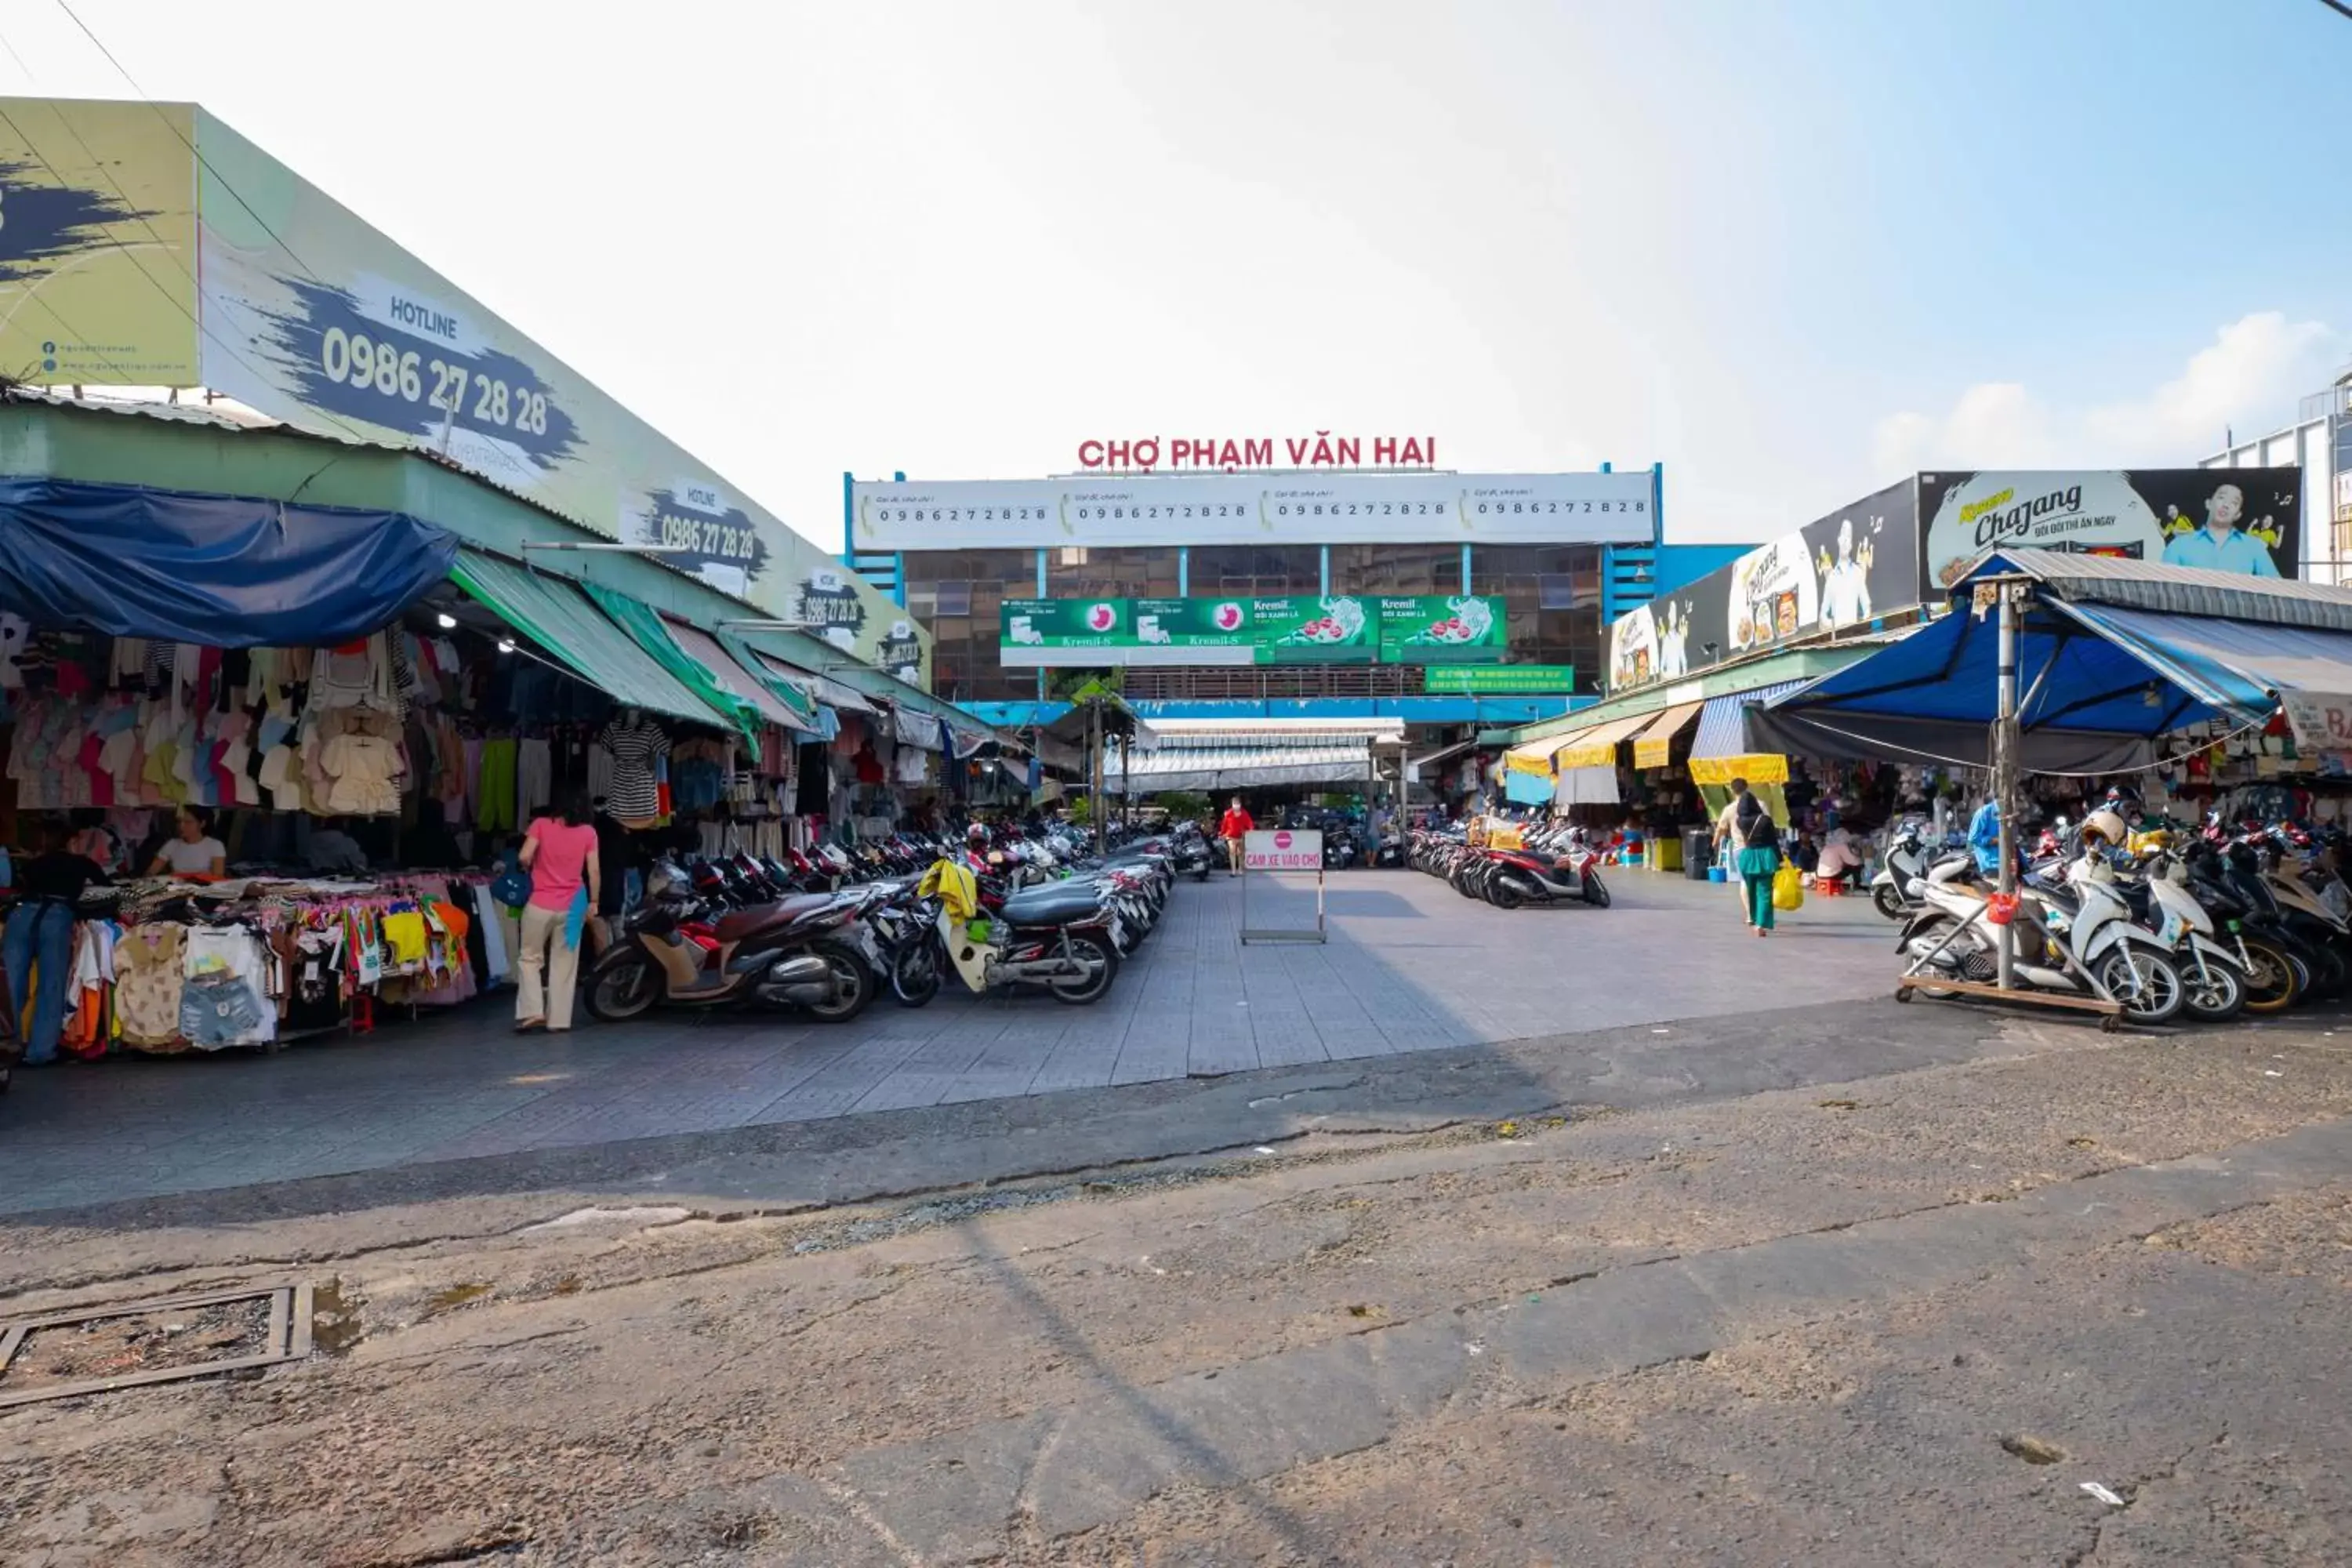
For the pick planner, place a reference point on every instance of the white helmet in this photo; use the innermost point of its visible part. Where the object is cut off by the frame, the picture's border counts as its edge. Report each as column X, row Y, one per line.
column 2108, row 825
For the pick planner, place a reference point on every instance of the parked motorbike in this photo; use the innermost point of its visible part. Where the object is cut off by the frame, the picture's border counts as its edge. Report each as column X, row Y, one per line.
column 684, row 946
column 1908, row 856
column 2074, row 936
column 1550, row 868
column 1056, row 937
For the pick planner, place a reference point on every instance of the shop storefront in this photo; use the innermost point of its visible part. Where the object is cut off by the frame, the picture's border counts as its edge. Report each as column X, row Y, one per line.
column 328, row 723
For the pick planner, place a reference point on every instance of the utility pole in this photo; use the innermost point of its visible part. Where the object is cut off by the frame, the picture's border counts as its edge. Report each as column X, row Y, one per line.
column 2004, row 772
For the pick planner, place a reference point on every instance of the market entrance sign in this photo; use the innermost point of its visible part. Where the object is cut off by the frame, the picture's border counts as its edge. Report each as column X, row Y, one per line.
column 1342, row 628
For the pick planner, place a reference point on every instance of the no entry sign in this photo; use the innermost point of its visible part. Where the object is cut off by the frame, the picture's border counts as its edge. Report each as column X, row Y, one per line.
column 1283, row 849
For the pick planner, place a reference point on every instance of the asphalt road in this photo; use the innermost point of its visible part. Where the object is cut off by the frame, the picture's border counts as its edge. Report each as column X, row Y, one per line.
column 1843, row 1282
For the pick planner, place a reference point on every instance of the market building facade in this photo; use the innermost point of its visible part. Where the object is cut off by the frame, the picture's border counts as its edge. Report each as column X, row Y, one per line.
column 1300, row 610
column 319, row 583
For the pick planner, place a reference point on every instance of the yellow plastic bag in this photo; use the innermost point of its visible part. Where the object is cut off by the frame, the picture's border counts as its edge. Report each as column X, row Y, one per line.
column 1788, row 888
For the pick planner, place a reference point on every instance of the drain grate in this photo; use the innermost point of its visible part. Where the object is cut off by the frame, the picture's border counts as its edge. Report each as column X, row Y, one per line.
column 134, row 1326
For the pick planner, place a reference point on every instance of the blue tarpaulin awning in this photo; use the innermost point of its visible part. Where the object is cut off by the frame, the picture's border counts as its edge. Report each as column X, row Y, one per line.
column 2110, row 654
column 1722, row 723
column 217, row 571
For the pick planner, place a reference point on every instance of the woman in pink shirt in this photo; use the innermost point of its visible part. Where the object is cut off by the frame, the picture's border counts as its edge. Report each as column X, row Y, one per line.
column 560, row 853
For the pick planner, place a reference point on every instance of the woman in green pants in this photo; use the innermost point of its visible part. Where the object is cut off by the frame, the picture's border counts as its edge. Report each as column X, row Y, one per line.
column 1759, row 854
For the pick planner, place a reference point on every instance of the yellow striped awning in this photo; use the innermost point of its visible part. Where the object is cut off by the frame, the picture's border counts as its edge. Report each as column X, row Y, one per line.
column 1534, row 756
column 1653, row 747
column 1597, row 747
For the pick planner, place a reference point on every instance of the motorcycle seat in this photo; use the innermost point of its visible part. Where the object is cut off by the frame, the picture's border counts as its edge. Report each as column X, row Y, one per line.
column 740, row 925
column 1055, row 904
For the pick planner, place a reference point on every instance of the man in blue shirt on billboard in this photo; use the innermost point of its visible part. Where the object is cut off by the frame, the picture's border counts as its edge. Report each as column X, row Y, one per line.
column 2219, row 545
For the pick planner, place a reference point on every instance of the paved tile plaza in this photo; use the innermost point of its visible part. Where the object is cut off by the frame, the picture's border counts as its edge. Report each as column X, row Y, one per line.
column 1409, row 966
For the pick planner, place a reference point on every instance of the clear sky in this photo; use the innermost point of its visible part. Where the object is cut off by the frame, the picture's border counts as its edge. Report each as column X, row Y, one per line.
column 1792, row 248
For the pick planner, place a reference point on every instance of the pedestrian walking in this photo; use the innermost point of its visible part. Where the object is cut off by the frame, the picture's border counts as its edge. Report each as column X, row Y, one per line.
column 1759, row 839
column 560, row 853
column 1233, row 826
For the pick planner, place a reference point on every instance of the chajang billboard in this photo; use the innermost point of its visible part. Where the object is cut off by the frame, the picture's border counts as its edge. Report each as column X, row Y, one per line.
column 1903, row 546
column 2233, row 520
column 151, row 245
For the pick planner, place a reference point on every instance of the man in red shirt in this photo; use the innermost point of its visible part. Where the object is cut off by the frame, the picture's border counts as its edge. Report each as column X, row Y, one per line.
column 1235, row 823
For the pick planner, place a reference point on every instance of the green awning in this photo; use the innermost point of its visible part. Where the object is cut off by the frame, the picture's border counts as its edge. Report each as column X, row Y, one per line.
column 652, row 634
column 778, row 704
column 796, row 701
column 554, row 613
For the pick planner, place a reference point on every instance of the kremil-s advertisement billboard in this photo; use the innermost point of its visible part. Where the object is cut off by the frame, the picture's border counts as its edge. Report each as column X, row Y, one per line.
column 117, row 215
column 1340, row 628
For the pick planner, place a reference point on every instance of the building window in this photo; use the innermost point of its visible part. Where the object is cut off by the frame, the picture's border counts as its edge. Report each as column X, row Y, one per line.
column 1267, row 570
column 1112, row 571
column 1551, row 599
column 1399, row 569
column 957, row 595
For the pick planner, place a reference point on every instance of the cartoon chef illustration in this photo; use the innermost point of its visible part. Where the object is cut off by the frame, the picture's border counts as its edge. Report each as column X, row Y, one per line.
column 1845, row 582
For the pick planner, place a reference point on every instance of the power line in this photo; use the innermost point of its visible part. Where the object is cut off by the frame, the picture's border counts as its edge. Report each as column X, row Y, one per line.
column 13, row 55
column 2339, row 7
column 193, row 150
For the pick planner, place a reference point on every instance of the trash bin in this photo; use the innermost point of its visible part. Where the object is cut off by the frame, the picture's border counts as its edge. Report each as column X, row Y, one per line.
column 1699, row 852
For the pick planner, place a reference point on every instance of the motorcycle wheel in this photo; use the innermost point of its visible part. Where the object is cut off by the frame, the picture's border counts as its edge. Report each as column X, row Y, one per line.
column 2216, row 995
column 624, row 989
column 1100, row 958
column 2328, row 973
column 915, row 973
column 852, row 984
column 1504, row 894
column 1931, row 933
column 1596, row 891
column 2271, row 981
column 2147, row 981
column 1887, row 902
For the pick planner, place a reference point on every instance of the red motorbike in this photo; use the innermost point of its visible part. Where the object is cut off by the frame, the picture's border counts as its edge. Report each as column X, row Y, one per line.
column 1554, row 867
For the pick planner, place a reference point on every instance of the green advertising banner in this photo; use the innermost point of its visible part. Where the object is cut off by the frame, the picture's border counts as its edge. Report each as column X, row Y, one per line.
column 1306, row 630
column 1048, row 631
column 1297, row 629
column 1460, row 629
column 1497, row 679
column 1194, row 631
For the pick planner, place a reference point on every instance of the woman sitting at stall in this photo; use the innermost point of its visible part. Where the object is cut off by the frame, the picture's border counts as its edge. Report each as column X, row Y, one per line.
column 195, row 852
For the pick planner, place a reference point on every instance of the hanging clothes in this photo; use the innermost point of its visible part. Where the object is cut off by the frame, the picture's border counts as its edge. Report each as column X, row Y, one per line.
column 638, row 749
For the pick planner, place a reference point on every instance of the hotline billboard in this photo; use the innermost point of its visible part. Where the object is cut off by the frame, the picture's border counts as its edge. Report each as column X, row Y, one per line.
column 152, row 245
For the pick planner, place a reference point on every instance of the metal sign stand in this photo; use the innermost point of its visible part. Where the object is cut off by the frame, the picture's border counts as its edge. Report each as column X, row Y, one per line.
column 1282, row 849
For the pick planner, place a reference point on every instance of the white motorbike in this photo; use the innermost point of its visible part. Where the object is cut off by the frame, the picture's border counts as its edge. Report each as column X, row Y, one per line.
column 2215, row 976
column 2078, row 939
column 1908, row 857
